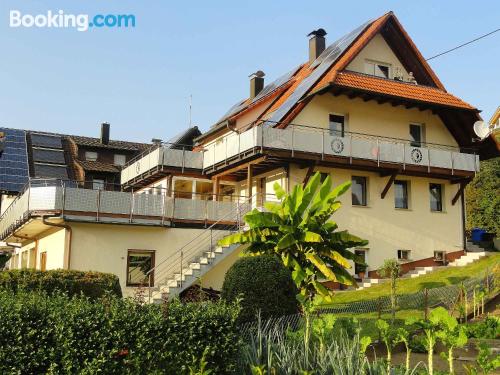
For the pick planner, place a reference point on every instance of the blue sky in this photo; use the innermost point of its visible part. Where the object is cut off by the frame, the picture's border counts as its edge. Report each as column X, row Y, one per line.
column 140, row 79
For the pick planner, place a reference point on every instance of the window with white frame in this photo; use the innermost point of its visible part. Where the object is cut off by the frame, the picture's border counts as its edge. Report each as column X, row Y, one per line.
column 404, row 255
column 91, row 155
column 378, row 69
column 98, row 184
column 337, row 125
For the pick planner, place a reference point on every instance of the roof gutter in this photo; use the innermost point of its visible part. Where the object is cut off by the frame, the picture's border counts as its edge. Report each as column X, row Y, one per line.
column 70, row 234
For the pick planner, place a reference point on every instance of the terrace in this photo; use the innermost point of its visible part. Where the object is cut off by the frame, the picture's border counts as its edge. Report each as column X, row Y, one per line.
column 69, row 201
column 302, row 144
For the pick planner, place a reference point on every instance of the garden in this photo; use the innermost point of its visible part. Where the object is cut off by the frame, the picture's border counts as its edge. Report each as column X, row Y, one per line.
column 275, row 315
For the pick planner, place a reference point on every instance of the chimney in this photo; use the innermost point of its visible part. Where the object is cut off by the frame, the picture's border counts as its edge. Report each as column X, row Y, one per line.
column 316, row 43
column 105, row 133
column 256, row 83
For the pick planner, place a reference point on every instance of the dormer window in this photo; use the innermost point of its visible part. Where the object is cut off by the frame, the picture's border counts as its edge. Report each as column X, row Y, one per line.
column 377, row 69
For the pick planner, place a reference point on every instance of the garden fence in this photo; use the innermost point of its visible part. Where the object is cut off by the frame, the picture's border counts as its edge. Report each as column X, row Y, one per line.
column 449, row 297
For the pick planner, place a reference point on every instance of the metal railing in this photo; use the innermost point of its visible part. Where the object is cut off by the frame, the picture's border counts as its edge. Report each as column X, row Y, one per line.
column 203, row 245
column 350, row 145
column 71, row 200
column 181, row 157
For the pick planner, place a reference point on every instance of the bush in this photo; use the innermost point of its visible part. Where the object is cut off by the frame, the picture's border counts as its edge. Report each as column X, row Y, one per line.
column 264, row 284
column 489, row 328
column 77, row 335
column 91, row 284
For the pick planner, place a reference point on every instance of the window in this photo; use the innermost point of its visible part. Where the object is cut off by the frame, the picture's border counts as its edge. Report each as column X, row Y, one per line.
column 400, row 194
column 404, row 254
column 358, row 189
column 98, row 184
column 416, row 135
column 139, row 262
column 120, row 159
column 377, row 69
column 91, row 155
column 337, row 125
column 436, row 194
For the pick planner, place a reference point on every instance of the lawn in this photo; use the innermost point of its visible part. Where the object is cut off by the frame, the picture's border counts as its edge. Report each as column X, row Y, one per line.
column 439, row 278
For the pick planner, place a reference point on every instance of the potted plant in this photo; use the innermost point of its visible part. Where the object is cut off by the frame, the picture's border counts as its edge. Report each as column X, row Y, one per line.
column 362, row 270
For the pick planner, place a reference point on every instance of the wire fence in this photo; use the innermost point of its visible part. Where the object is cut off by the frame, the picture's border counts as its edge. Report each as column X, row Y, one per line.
column 463, row 298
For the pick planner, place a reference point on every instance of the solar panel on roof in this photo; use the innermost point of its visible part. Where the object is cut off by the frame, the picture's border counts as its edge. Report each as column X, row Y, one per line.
column 48, row 156
column 13, row 161
column 43, row 140
column 50, row 171
column 321, row 65
column 276, row 83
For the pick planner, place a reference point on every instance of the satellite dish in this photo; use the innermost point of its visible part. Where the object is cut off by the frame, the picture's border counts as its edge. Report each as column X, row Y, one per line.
column 482, row 129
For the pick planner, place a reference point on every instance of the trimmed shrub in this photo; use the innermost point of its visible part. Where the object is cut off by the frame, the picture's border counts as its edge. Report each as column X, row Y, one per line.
column 91, row 284
column 76, row 335
column 264, row 284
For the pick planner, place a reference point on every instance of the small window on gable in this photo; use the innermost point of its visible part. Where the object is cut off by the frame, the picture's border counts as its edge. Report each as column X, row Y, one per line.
column 416, row 135
column 378, row 69
column 358, row 191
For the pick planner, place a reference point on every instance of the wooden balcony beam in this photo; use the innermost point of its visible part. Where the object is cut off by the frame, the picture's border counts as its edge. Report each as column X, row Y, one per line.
column 388, row 185
column 458, row 193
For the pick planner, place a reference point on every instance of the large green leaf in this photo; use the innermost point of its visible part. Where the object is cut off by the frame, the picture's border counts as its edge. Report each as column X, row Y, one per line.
column 279, row 191
column 249, row 236
column 321, row 266
column 286, row 241
column 259, row 219
column 311, row 237
column 309, row 193
column 335, row 255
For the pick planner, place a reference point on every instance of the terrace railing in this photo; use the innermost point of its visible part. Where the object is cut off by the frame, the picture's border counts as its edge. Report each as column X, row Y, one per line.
column 298, row 138
column 67, row 199
column 162, row 156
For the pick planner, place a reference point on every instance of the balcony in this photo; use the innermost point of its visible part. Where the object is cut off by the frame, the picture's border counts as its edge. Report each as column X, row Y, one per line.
column 67, row 201
column 159, row 161
column 351, row 149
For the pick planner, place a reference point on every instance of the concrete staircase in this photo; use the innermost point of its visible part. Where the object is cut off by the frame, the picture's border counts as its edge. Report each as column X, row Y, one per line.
column 467, row 258
column 178, row 282
column 474, row 253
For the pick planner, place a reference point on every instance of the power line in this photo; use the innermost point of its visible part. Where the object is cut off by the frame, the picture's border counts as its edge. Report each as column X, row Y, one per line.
column 462, row 45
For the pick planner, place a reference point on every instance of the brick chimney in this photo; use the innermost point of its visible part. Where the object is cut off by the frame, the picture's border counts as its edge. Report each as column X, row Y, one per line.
column 105, row 133
column 256, row 83
column 317, row 43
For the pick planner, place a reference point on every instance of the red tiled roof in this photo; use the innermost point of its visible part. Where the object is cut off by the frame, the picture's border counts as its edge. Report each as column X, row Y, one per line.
column 395, row 88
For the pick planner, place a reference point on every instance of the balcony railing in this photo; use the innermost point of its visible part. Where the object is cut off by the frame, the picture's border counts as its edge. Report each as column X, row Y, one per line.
column 297, row 138
column 161, row 156
column 68, row 200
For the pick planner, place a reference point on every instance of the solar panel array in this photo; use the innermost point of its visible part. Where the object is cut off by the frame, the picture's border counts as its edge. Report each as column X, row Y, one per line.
column 321, row 65
column 48, row 156
column 14, row 172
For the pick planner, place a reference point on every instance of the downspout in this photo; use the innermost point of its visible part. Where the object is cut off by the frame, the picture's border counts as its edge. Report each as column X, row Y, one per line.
column 70, row 233
column 464, row 238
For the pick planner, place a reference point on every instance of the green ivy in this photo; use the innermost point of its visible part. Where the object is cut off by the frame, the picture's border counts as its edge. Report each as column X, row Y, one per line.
column 68, row 335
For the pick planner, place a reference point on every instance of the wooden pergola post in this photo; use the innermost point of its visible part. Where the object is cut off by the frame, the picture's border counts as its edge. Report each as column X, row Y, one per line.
column 216, row 188
column 249, row 180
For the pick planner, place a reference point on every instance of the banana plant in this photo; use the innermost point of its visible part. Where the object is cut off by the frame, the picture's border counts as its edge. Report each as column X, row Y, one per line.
column 389, row 337
column 299, row 230
column 402, row 335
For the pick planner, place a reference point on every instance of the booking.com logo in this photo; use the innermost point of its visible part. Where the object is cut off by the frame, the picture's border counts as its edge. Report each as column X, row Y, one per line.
column 80, row 22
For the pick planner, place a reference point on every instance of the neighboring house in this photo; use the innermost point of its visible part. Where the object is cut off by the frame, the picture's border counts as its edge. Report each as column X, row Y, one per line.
column 367, row 108
column 495, row 119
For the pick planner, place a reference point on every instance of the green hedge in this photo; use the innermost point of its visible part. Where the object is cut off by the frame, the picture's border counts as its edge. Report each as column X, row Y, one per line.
column 264, row 284
column 61, row 335
column 91, row 284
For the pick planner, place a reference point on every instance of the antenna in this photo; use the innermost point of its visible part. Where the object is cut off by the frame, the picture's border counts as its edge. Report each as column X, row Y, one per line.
column 190, row 109
column 481, row 129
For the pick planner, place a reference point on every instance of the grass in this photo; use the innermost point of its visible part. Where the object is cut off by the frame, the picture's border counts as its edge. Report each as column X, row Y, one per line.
column 439, row 278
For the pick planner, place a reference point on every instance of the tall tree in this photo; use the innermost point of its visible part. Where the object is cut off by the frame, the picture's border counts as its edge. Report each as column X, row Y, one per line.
column 483, row 198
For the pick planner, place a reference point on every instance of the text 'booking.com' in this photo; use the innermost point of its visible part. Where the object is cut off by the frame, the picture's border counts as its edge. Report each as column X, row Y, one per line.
column 60, row 19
